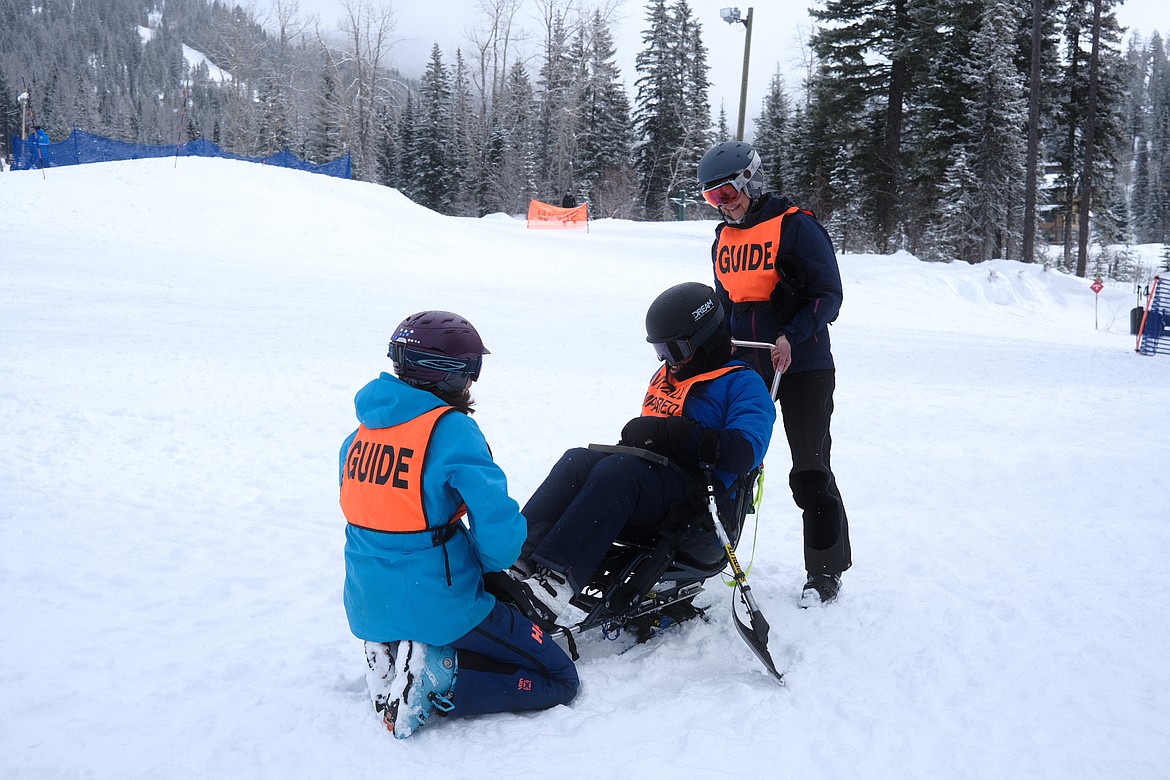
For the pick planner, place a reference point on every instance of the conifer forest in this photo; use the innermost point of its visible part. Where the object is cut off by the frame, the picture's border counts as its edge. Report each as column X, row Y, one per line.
column 951, row 129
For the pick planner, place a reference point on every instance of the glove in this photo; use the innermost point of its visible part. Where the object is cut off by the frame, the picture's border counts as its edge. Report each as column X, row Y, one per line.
column 667, row 436
column 675, row 438
column 790, row 294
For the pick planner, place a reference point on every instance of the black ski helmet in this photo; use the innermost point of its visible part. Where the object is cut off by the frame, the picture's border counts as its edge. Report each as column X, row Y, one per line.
column 437, row 350
column 682, row 319
column 726, row 162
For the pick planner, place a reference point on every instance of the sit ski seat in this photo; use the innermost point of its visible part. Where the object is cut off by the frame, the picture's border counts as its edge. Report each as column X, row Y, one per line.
column 657, row 571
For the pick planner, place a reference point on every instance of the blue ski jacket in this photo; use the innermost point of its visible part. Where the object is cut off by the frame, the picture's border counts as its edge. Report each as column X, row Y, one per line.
column 403, row 586
column 737, row 401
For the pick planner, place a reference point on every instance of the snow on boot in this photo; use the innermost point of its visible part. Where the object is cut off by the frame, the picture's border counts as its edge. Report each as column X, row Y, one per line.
column 820, row 589
column 550, row 593
column 424, row 682
column 380, row 677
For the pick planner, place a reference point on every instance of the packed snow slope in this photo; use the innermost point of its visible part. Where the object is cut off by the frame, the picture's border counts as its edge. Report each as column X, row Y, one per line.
column 181, row 346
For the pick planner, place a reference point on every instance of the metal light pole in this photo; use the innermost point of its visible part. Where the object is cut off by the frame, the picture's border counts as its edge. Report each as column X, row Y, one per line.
column 731, row 16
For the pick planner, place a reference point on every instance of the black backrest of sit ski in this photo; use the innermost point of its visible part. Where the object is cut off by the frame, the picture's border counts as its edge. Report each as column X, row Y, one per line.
column 702, row 546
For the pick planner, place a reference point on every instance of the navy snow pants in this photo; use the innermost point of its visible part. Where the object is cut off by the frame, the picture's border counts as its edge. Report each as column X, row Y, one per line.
column 507, row 664
column 586, row 501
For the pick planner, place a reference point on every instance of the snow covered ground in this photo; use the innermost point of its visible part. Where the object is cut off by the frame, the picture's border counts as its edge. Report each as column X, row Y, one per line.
column 180, row 348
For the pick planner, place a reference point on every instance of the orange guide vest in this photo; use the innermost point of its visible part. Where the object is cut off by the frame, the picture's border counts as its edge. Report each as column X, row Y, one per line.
column 667, row 395
column 381, row 486
column 745, row 260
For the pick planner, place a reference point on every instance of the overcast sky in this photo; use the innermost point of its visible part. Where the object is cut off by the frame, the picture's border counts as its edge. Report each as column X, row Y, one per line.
column 780, row 28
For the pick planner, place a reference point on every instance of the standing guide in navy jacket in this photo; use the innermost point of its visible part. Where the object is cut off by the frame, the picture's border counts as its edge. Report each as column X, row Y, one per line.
column 428, row 514
column 776, row 272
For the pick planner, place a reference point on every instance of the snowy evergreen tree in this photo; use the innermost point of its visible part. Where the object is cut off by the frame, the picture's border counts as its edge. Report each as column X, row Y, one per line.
column 814, row 148
column 433, row 141
column 387, row 148
column 1038, row 50
column 467, row 144
column 846, row 224
column 408, row 171
column 952, row 232
column 773, row 135
column 722, row 128
column 656, row 116
column 996, row 117
column 883, row 146
column 1067, row 149
column 280, row 123
column 938, row 131
column 1142, row 195
column 869, row 54
column 510, row 175
column 275, row 123
column 558, row 121
column 696, row 86
column 672, row 116
column 9, row 116
column 1152, row 212
column 325, row 140
column 605, row 138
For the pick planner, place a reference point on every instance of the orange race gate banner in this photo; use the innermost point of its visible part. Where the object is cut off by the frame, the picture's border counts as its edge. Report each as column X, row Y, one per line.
column 545, row 215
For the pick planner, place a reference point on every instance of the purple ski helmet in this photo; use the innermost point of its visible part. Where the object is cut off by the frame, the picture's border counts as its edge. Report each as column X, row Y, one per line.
column 437, row 350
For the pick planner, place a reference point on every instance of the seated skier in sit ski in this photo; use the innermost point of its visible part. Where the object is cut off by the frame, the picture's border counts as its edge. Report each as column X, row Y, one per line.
column 418, row 463
column 702, row 410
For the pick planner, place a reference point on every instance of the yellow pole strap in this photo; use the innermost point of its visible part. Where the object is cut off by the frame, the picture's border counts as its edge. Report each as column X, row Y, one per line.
column 757, row 501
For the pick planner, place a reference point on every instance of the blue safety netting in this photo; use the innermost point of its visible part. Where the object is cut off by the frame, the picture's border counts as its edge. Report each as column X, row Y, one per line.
column 81, row 147
column 1155, row 333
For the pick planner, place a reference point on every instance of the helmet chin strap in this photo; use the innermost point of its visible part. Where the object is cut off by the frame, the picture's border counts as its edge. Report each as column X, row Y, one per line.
column 748, row 210
column 731, row 221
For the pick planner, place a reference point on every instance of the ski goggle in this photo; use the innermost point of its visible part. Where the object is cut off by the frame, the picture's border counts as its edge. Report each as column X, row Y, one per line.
column 404, row 355
column 673, row 352
column 727, row 190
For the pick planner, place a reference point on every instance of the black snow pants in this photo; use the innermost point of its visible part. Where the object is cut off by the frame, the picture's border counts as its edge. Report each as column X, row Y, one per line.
column 806, row 405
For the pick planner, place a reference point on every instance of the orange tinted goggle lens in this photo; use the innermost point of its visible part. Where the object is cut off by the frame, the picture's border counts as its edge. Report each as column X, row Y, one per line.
column 721, row 195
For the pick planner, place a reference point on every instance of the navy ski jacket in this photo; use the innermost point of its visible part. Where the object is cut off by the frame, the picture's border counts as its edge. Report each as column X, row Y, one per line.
column 805, row 245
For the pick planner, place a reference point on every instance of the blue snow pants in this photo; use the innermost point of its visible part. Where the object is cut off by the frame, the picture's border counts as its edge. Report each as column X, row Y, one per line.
column 507, row 664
